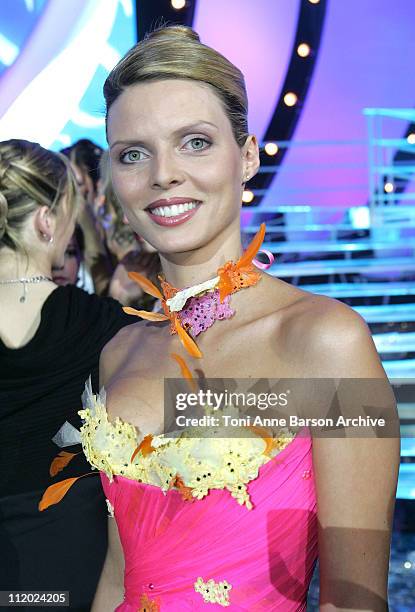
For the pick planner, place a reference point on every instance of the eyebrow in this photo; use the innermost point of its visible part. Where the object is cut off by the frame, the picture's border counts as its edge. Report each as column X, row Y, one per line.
column 184, row 128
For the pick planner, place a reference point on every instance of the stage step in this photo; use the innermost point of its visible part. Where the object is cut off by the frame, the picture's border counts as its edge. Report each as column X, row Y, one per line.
column 407, row 447
column 344, row 290
column 407, row 414
column 339, row 246
column 343, row 266
column 387, row 313
column 406, row 481
column 400, row 369
column 395, row 342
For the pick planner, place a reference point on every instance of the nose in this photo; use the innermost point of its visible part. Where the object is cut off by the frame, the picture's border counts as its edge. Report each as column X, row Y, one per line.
column 166, row 171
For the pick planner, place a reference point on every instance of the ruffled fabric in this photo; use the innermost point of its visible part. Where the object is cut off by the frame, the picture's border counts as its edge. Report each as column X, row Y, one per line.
column 266, row 555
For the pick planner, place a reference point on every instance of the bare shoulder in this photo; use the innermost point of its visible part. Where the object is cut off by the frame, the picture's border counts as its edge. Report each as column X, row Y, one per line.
column 117, row 351
column 355, row 476
column 332, row 337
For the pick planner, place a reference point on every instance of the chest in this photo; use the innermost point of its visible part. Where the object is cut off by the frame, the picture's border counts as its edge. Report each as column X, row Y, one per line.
column 255, row 350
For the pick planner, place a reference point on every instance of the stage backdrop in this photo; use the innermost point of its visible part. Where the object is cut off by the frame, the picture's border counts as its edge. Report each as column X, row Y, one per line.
column 54, row 57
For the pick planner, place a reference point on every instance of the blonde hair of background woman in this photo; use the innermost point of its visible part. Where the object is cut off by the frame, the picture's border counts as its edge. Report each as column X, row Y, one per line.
column 30, row 177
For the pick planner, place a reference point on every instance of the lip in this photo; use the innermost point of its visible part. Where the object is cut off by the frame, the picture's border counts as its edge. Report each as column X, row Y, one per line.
column 58, row 279
column 177, row 219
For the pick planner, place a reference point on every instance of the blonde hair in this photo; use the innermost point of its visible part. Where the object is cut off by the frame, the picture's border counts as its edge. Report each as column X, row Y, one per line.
column 30, row 176
column 175, row 52
column 120, row 231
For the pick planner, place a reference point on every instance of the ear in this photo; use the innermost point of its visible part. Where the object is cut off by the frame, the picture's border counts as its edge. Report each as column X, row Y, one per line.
column 250, row 157
column 45, row 223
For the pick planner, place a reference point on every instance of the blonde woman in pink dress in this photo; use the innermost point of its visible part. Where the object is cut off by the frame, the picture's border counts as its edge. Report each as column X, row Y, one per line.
column 204, row 525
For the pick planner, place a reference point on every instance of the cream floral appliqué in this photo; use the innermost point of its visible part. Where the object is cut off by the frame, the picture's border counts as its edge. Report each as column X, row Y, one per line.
column 190, row 464
column 214, row 592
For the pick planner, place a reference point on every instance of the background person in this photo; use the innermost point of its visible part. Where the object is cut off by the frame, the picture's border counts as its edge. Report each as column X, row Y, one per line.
column 50, row 340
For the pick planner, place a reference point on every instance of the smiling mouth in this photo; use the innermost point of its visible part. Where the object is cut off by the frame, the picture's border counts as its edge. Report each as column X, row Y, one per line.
column 173, row 210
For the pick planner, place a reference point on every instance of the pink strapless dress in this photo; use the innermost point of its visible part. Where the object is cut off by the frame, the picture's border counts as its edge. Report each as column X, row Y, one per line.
column 259, row 559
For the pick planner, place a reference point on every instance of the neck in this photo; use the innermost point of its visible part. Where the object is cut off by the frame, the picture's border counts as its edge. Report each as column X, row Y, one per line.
column 15, row 265
column 197, row 266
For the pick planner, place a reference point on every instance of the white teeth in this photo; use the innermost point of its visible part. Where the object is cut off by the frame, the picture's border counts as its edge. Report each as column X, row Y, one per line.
column 174, row 210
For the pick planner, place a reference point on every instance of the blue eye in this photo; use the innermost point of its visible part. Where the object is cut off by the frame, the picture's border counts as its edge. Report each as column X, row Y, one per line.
column 199, row 143
column 130, row 157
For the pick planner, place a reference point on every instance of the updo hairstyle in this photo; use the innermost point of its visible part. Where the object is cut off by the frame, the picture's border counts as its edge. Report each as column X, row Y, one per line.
column 175, row 52
column 30, row 177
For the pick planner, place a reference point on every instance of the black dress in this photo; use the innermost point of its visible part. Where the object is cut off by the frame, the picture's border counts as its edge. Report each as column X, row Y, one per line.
column 63, row 547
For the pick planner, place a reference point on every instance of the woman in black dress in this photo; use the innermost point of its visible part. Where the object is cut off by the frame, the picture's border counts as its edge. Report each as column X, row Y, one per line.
column 50, row 341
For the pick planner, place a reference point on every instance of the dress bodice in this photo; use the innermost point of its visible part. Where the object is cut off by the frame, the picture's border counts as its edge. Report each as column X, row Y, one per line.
column 207, row 523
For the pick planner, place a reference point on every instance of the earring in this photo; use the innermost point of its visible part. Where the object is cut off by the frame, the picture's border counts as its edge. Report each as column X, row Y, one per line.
column 48, row 239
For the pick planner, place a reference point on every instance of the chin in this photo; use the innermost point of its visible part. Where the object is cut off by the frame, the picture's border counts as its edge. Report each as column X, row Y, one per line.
column 61, row 281
column 181, row 244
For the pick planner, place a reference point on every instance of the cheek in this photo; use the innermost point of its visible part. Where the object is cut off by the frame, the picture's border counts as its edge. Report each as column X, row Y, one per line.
column 71, row 268
column 217, row 174
column 129, row 186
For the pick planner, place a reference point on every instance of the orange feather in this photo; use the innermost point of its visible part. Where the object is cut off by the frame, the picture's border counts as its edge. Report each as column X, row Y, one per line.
column 188, row 342
column 144, row 446
column 225, row 286
column 57, row 491
column 149, row 316
column 186, row 373
column 146, row 284
column 252, row 248
column 264, row 434
column 185, row 492
column 60, row 461
column 134, row 454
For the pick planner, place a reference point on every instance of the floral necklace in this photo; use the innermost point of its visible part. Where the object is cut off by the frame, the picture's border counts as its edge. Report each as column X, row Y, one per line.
column 195, row 309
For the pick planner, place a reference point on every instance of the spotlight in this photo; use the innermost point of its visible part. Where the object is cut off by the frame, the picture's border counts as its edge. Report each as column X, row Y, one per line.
column 178, row 4
column 271, row 148
column 247, row 196
column 290, row 99
column 303, row 50
column 314, row 1
column 411, row 138
column 389, row 187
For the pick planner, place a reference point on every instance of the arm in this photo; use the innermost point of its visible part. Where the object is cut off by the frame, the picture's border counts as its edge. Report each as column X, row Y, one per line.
column 356, row 483
column 110, row 591
column 356, row 480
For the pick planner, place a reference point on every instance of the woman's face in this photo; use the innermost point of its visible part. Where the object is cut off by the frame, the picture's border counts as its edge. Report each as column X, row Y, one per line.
column 67, row 274
column 85, row 183
column 176, row 167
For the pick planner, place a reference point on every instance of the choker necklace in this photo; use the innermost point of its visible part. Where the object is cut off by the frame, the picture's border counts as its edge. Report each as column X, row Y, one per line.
column 25, row 281
column 195, row 309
